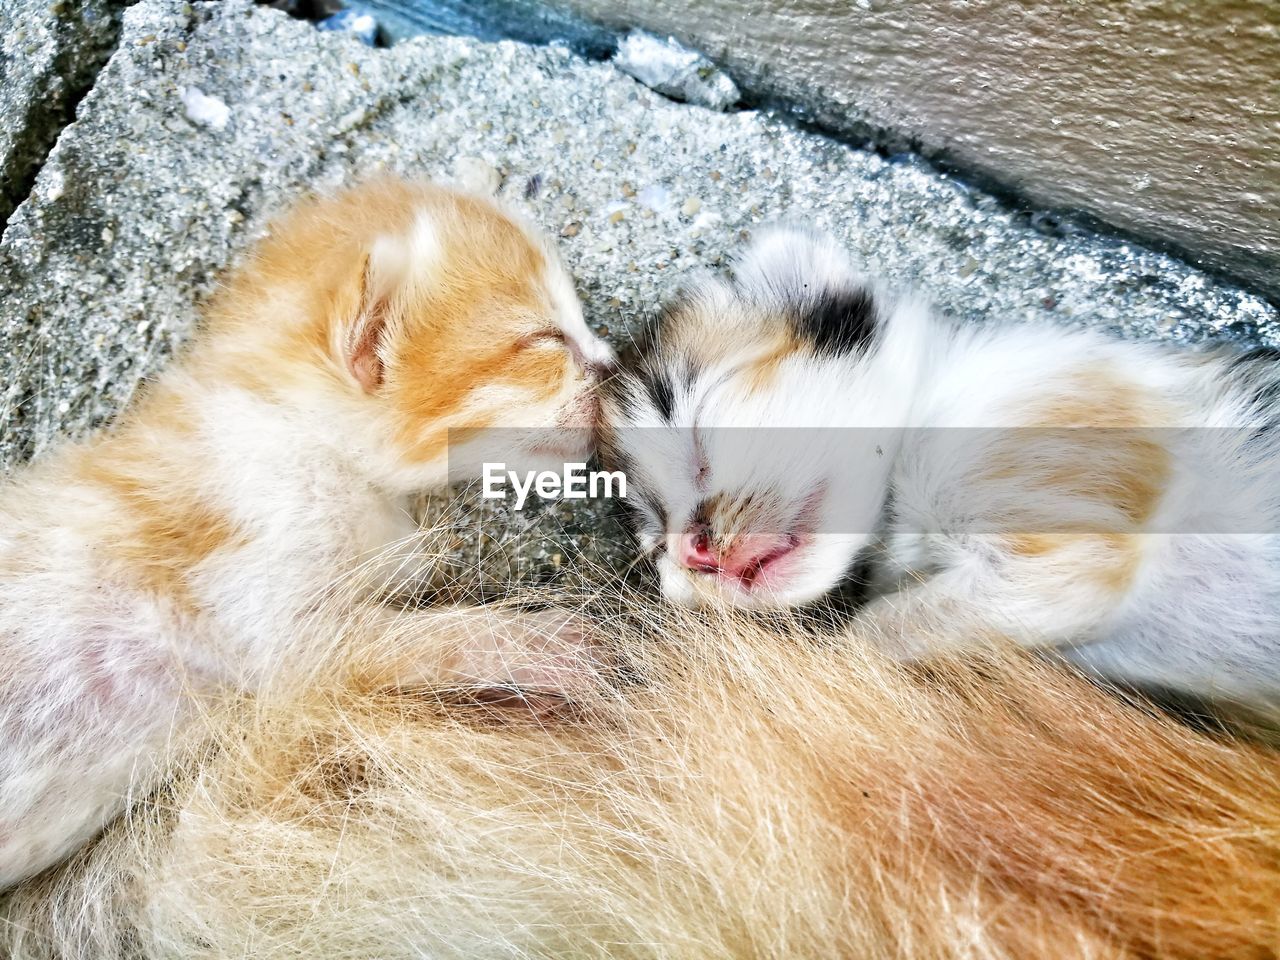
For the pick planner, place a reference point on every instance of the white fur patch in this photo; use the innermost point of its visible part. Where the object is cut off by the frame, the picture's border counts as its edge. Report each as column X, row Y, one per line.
column 400, row 261
column 785, row 264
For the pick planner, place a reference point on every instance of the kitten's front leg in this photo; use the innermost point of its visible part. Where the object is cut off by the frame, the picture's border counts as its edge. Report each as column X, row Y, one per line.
column 925, row 619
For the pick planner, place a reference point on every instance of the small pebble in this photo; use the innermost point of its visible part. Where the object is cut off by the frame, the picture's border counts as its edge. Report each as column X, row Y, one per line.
column 691, row 207
column 205, row 110
column 571, row 229
column 477, row 175
column 675, row 71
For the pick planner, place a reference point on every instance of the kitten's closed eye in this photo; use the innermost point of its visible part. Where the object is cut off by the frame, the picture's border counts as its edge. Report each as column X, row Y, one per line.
column 591, row 361
column 542, row 338
column 474, row 323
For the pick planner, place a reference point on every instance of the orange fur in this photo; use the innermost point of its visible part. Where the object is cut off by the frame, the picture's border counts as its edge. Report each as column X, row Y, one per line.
column 1086, row 477
column 458, row 330
column 455, row 335
column 252, row 507
column 761, row 372
column 159, row 532
column 755, row 796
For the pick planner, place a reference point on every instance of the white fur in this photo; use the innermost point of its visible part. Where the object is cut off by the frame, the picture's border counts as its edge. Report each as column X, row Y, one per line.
column 929, row 400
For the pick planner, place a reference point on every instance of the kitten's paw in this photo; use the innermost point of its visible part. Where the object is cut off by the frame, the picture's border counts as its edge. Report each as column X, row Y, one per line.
column 912, row 626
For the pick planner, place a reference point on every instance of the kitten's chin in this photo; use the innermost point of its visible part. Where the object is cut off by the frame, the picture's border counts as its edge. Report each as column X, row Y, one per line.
column 774, row 589
column 519, row 450
column 570, row 445
column 560, row 449
column 813, row 568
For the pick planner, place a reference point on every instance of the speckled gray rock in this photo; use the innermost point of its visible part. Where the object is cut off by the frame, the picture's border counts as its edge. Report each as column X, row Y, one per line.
column 50, row 51
column 675, row 71
column 211, row 116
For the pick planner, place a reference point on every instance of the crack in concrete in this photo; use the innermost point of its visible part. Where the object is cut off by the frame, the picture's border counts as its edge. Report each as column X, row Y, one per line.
column 82, row 50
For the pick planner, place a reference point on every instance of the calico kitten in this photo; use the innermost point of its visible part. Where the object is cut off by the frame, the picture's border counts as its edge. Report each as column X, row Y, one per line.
column 252, row 507
column 1115, row 500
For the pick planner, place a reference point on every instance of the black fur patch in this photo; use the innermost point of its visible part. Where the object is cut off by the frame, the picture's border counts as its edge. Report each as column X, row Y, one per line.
column 1257, row 355
column 644, row 360
column 662, row 393
column 837, row 322
column 1260, row 369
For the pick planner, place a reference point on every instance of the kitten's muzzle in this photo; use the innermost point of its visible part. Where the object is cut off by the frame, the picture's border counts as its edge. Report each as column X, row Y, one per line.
column 597, row 360
column 742, row 560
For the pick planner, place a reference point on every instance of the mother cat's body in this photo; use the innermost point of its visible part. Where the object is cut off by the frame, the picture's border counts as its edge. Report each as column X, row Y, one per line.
column 758, row 795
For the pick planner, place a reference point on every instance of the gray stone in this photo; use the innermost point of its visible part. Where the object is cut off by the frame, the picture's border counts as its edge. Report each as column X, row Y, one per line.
column 675, row 71
column 142, row 203
column 1160, row 118
column 50, row 51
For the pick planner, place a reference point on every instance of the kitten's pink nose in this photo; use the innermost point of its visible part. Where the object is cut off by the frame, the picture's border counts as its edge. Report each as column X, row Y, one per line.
column 745, row 559
column 694, row 552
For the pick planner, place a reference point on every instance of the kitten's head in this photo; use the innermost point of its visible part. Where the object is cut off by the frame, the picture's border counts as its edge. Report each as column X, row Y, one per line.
column 756, row 422
column 430, row 325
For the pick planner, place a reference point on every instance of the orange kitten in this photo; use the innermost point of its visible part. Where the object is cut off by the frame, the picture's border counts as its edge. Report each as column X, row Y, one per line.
column 254, row 502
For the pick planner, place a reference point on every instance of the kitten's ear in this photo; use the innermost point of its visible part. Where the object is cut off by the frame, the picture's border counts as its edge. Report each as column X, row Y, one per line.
column 392, row 268
column 787, row 264
column 364, row 334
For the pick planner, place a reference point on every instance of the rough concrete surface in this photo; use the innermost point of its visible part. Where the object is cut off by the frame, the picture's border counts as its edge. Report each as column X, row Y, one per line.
column 212, row 116
column 50, row 51
column 1161, row 117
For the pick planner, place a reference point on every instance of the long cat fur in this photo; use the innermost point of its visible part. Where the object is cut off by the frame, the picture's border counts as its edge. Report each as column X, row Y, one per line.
column 753, row 790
